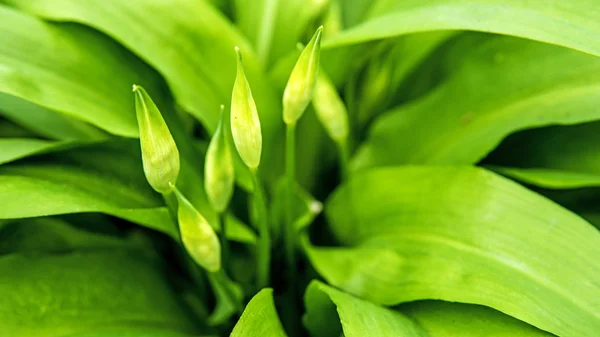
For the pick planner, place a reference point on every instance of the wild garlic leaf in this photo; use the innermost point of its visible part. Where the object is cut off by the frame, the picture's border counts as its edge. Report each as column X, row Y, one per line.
column 575, row 24
column 106, row 178
column 259, row 318
column 331, row 312
column 48, row 235
column 63, row 294
column 465, row 117
column 18, row 148
column 467, row 235
column 193, row 55
column 47, row 123
column 556, row 157
column 74, row 70
column 133, row 332
column 444, row 319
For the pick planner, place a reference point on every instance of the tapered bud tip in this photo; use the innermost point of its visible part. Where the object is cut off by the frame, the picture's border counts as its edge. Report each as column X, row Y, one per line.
column 135, row 88
column 238, row 54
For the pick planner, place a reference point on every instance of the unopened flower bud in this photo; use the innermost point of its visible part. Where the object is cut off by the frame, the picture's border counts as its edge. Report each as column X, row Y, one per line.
column 159, row 151
column 199, row 238
column 219, row 175
column 245, row 124
column 300, row 86
column 330, row 109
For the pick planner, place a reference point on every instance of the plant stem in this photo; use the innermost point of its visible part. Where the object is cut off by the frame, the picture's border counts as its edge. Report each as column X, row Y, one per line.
column 290, row 231
column 264, row 239
column 224, row 241
column 343, row 157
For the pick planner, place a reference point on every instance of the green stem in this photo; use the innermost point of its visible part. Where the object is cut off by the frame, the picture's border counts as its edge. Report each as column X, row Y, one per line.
column 344, row 158
column 264, row 239
column 290, row 173
column 224, row 241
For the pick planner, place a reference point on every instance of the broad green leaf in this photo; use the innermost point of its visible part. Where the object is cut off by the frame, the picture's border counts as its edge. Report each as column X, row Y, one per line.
column 132, row 332
column 70, row 69
column 556, row 157
column 358, row 318
column 46, row 123
column 443, row 319
column 467, row 235
column 16, row 148
column 106, row 178
column 189, row 42
column 549, row 178
column 52, row 235
column 574, row 24
column 465, row 118
column 57, row 295
column 259, row 318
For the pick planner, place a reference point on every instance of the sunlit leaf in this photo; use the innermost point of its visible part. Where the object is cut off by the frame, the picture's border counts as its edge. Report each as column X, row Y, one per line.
column 464, row 235
column 259, row 318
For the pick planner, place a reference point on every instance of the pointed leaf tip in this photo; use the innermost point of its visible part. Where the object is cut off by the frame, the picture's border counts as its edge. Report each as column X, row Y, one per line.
column 199, row 238
column 160, row 156
column 299, row 90
column 245, row 124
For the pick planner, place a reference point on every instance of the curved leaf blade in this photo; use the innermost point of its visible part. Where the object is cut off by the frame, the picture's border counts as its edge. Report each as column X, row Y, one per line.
column 465, row 235
column 465, row 118
column 259, row 318
column 575, row 24
column 56, row 295
column 69, row 69
column 358, row 317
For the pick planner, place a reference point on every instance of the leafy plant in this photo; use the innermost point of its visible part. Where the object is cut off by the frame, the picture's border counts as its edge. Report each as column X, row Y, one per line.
column 451, row 144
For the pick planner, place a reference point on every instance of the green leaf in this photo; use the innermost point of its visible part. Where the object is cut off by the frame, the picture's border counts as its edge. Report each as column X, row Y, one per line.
column 533, row 85
column 443, row 319
column 17, row 148
column 105, row 178
column 463, row 234
column 186, row 41
column 69, row 69
column 132, row 332
column 549, row 178
column 557, row 157
column 56, row 295
column 575, row 25
column 47, row 123
column 306, row 207
column 259, row 318
column 358, row 317
column 52, row 235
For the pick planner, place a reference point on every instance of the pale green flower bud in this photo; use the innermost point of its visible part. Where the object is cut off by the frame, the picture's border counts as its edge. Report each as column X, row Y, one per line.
column 245, row 125
column 330, row 109
column 219, row 175
column 159, row 151
column 300, row 86
column 199, row 238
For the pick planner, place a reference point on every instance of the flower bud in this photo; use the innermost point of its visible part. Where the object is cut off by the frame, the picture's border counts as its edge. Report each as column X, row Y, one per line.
column 219, row 175
column 199, row 238
column 300, row 86
column 330, row 109
column 245, row 125
column 159, row 151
